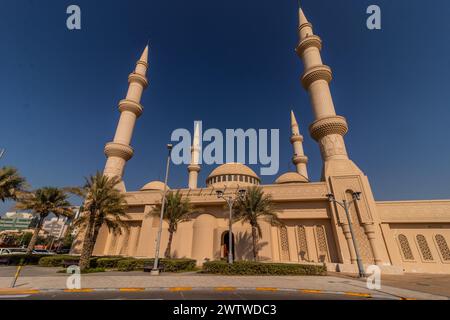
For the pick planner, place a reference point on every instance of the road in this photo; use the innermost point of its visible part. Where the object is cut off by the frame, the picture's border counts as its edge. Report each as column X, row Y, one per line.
column 183, row 295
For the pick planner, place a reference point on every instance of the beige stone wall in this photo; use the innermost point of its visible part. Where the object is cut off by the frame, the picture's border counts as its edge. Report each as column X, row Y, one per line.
column 310, row 233
column 417, row 234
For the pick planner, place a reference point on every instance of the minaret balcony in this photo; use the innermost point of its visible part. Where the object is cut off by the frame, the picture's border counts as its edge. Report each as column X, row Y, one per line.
column 128, row 105
column 327, row 126
column 308, row 42
column 120, row 150
column 316, row 73
column 136, row 77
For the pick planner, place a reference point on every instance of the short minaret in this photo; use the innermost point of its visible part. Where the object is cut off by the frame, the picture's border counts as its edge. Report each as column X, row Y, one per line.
column 194, row 167
column 328, row 129
column 299, row 159
column 119, row 151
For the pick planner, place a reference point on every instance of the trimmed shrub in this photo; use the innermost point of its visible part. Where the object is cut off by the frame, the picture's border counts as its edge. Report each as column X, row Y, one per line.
column 55, row 261
column 108, row 263
column 169, row 265
column 14, row 259
column 260, row 268
column 131, row 264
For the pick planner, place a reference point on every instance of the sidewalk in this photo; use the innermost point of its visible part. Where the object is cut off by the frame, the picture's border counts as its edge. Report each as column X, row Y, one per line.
column 134, row 280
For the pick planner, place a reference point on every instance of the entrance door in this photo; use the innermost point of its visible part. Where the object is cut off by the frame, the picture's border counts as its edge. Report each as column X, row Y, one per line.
column 225, row 244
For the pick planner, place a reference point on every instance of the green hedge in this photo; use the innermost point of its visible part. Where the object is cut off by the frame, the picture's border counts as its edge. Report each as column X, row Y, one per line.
column 169, row 265
column 14, row 259
column 260, row 268
column 57, row 260
column 108, row 263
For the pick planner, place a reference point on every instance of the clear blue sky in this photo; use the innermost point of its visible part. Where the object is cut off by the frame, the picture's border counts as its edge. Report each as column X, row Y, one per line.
column 59, row 89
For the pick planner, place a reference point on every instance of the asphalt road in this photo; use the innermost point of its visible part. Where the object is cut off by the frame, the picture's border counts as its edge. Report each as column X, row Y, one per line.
column 182, row 295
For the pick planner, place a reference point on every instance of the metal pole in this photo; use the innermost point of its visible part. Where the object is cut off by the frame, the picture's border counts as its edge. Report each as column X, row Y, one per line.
column 358, row 257
column 230, row 232
column 155, row 270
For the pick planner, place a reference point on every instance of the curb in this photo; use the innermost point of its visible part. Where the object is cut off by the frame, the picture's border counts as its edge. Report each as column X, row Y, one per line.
column 217, row 289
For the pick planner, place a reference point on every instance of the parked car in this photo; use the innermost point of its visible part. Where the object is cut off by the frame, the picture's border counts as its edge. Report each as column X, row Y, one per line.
column 63, row 251
column 43, row 251
column 4, row 251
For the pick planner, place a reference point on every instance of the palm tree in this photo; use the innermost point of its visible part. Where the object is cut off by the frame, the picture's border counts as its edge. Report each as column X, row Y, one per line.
column 103, row 204
column 176, row 210
column 11, row 183
column 43, row 202
column 253, row 207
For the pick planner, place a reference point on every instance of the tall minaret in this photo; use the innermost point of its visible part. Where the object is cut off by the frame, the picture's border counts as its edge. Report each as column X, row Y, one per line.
column 299, row 159
column 119, row 151
column 194, row 167
column 328, row 129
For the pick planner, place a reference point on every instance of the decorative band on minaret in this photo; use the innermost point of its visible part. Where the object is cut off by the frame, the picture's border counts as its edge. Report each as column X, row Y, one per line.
column 119, row 151
column 194, row 167
column 299, row 159
column 328, row 129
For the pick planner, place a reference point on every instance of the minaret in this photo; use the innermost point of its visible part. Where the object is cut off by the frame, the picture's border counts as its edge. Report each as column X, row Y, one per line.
column 342, row 175
column 194, row 167
column 328, row 129
column 119, row 151
column 299, row 159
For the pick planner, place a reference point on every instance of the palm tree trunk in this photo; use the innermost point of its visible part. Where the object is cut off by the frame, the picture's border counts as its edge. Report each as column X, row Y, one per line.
column 255, row 242
column 87, row 243
column 94, row 237
column 169, row 245
column 35, row 236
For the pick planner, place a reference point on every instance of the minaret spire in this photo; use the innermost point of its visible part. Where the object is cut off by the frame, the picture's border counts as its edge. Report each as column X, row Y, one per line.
column 328, row 129
column 119, row 151
column 299, row 159
column 194, row 167
column 301, row 17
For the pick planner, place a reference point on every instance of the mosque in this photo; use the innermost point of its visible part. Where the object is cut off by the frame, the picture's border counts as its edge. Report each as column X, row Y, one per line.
column 398, row 236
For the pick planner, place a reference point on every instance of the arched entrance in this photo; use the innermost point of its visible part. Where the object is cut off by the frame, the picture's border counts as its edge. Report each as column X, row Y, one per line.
column 225, row 244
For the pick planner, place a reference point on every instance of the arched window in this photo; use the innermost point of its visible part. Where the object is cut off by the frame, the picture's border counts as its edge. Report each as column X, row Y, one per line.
column 443, row 247
column 424, row 248
column 322, row 246
column 302, row 244
column 284, row 244
column 405, row 248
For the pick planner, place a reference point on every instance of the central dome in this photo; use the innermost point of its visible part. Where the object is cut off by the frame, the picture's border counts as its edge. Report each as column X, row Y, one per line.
column 232, row 174
column 154, row 185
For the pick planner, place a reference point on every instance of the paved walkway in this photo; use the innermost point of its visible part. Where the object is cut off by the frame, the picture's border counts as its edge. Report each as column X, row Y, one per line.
column 48, row 279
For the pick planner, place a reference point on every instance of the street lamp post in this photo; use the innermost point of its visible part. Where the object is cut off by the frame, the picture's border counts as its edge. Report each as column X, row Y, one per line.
column 155, row 270
column 230, row 202
column 346, row 205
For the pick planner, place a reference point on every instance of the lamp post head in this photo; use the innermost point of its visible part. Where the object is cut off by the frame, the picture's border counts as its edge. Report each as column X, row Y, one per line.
column 356, row 195
column 219, row 194
column 330, row 197
column 169, row 146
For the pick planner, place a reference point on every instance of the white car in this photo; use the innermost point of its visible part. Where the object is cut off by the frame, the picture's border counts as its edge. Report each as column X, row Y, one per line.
column 4, row 251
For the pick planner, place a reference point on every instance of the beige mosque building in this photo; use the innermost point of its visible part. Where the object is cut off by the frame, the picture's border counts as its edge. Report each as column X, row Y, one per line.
column 398, row 236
